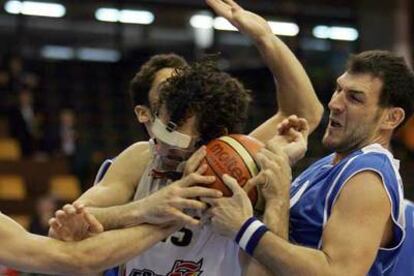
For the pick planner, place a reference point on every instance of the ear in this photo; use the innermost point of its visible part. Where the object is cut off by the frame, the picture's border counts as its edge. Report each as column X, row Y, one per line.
column 143, row 114
column 393, row 118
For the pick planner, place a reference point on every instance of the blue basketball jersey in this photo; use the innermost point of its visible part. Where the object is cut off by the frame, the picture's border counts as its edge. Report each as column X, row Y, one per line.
column 405, row 261
column 314, row 193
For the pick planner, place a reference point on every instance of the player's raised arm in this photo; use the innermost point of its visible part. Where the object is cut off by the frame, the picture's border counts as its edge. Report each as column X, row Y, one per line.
column 295, row 94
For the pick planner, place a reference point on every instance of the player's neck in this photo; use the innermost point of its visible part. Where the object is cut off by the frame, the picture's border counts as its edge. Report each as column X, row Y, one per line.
column 341, row 155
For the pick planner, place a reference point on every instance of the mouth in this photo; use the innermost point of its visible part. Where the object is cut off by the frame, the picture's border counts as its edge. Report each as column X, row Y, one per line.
column 333, row 123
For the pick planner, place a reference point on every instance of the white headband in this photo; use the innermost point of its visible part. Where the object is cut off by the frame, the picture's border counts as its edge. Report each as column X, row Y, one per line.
column 168, row 134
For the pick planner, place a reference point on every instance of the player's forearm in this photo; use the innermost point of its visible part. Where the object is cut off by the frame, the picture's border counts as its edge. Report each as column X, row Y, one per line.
column 294, row 260
column 276, row 217
column 295, row 93
column 251, row 267
column 284, row 258
column 121, row 216
column 117, row 246
column 108, row 249
column 27, row 252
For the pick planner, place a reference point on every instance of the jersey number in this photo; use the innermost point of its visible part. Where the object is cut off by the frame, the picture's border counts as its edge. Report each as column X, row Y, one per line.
column 181, row 238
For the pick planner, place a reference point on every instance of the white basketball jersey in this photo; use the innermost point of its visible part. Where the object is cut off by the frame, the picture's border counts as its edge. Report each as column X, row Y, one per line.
column 189, row 251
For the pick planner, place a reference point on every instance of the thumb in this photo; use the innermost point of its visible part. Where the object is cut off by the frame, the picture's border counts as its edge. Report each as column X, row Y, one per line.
column 94, row 225
column 232, row 184
column 254, row 182
column 250, row 184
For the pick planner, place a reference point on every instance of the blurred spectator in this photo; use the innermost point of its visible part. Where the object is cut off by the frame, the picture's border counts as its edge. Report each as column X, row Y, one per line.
column 16, row 73
column 45, row 209
column 12, row 78
column 18, row 77
column 63, row 138
column 24, row 122
column 67, row 132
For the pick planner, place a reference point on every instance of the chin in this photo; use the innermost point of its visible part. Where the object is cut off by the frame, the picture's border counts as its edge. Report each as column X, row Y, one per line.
column 330, row 144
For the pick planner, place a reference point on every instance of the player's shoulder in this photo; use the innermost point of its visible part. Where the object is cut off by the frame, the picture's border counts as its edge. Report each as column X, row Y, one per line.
column 139, row 149
column 372, row 157
column 138, row 152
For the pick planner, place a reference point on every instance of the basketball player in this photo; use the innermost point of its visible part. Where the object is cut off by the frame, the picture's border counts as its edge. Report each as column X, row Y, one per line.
column 192, row 114
column 346, row 210
column 28, row 252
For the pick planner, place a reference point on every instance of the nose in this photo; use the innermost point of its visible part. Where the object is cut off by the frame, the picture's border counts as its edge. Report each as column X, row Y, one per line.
column 336, row 104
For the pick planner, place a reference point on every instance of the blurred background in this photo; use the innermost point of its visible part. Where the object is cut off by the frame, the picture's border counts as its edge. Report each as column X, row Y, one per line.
column 65, row 68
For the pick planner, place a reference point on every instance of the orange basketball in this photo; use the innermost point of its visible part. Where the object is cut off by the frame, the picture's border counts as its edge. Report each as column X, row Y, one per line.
column 233, row 155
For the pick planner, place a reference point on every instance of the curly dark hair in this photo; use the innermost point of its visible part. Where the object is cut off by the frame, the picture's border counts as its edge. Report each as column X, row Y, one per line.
column 140, row 85
column 397, row 77
column 219, row 101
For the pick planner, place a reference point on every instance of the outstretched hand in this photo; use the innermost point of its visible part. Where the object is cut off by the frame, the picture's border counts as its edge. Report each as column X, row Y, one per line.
column 73, row 223
column 249, row 23
column 292, row 137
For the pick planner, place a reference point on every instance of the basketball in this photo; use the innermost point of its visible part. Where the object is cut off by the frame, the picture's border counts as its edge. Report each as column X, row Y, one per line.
column 234, row 155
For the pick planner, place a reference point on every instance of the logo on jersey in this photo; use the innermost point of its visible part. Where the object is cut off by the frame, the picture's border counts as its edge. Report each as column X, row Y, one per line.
column 186, row 268
column 180, row 268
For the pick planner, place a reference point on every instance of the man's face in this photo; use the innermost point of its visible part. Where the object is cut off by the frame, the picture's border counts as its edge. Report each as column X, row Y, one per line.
column 189, row 127
column 354, row 112
column 145, row 114
column 172, row 154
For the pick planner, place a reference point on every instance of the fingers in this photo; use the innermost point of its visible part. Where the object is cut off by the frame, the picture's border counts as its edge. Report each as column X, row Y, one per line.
column 194, row 192
column 60, row 216
column 186, row 219
column 210, row 201
column 195, row 160
column 299, row 124
column 79, row 207
column 69, row 209
column 259, row 179
column 195, row 178
column 220, row 7
column 94, row 225
column 283, row 127
column 250, row 184
column 53, row 223
column 190, row 204
column 232, row 184
column 232, row 4
column 304, row 127
column 202, row 169
column 58, row 232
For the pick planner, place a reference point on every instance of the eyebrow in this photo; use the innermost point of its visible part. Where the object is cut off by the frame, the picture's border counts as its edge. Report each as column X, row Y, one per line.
column 355, row 91
column 362, row 93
